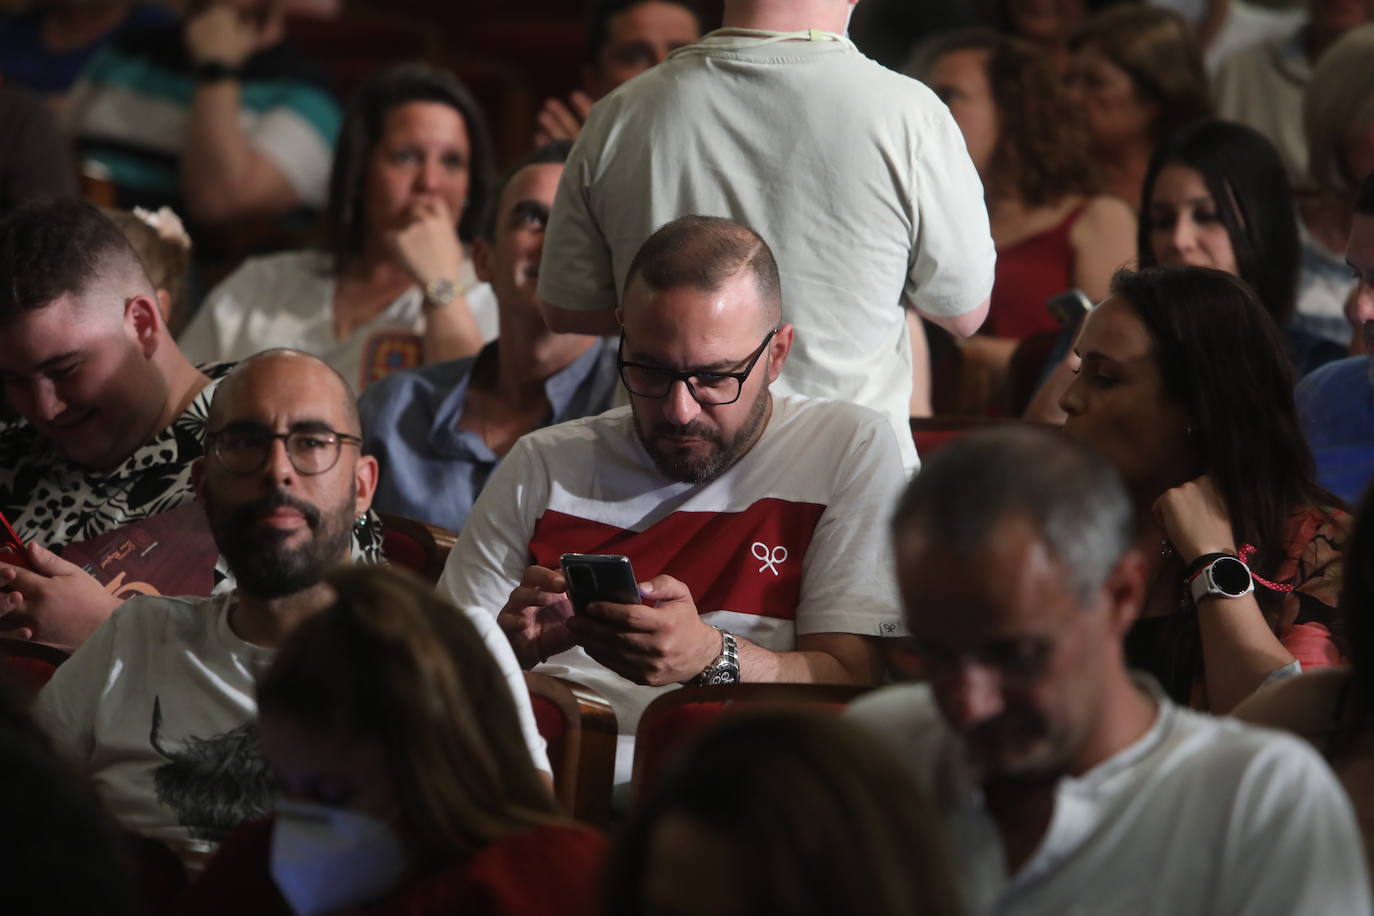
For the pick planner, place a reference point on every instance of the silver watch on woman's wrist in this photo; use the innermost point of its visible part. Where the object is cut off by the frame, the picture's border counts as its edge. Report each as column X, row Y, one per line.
column 725, row 669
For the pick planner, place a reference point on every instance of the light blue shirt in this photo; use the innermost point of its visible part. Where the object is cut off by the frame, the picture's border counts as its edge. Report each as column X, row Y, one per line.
column 1336, row 407
column 431, row 470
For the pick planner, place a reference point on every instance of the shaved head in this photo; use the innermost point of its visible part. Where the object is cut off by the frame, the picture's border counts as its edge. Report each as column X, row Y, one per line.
column 298, row 362
column 705, row 253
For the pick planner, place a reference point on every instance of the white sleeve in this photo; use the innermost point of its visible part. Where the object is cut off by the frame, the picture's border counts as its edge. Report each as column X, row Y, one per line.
column 209, row 338
column 297, row 149
column 492, row 551
column 577, row 270
column 1294, row 846
column 501, row 651
column 847, row 583
column 66, row 706
column 953, row 257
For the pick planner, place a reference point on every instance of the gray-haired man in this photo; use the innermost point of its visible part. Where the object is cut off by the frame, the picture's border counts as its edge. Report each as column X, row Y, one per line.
column 1068, row 783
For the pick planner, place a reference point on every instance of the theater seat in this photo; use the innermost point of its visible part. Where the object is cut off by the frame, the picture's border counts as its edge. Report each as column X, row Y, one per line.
column 580, row 728
column 417, row 546
column 29, row 665
column 675, row 717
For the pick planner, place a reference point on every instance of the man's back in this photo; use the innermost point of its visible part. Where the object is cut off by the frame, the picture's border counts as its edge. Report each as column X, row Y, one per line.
column 1200, row 815
column 857, row 177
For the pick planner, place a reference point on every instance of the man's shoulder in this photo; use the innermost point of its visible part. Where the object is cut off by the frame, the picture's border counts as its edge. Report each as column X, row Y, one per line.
column 384, row 401
column 906, row 719
column 1349, row 377
column 585, row 432
column 144, row 613
column 836, row 430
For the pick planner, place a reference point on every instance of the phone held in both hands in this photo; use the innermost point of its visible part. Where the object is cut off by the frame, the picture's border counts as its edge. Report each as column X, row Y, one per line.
column 599, row 577
column 11, row 547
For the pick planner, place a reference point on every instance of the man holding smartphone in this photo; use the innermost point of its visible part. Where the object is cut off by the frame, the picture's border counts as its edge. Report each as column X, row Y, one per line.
column 753, row 522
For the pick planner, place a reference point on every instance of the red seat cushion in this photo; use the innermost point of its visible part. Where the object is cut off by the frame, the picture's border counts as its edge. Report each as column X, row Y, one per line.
column 548, row 718
column 402, row 550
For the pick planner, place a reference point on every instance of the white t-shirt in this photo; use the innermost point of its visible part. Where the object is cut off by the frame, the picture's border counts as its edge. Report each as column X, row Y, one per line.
column 287, row 300
column 1201, row 815
column 158, row 708
column 790, row 540
column 857, row 177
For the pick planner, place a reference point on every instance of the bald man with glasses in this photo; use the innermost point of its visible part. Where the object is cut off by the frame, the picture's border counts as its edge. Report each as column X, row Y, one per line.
column 157, row 707
column 753, row 521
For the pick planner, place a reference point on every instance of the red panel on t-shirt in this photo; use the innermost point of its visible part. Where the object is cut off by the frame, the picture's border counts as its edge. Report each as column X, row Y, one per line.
column 748, row 561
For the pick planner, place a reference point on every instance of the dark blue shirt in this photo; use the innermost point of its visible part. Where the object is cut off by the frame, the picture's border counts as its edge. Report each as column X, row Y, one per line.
column 24, row 60
column 1336, row 406
column 431, row 470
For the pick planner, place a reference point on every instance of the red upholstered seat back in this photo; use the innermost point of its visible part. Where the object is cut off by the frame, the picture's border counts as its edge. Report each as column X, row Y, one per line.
column 403, row 550
column 553, row 725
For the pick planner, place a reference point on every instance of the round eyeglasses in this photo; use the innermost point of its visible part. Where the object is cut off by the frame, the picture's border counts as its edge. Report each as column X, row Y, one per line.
column 707, row 386
column 244, row 449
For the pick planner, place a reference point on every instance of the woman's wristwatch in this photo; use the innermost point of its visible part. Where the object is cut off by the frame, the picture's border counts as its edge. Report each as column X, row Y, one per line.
column 1220, row 576
column 439, row 293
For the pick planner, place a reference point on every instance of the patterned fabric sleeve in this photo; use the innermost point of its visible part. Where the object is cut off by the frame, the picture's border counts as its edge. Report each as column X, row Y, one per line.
column 1310, row 624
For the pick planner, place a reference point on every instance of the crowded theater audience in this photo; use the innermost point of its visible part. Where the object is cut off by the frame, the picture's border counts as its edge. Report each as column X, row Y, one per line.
column 402, row 780
column 1137, row 74
column 395, row 288
column 914, row 492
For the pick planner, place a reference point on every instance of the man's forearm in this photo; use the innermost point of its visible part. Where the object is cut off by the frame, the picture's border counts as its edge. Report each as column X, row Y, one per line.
column 217, row 156
column 856, row 664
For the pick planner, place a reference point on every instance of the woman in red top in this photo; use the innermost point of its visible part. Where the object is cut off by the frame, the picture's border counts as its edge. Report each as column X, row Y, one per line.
column 1186, row 387
column 407, row 787
column 1053, row 228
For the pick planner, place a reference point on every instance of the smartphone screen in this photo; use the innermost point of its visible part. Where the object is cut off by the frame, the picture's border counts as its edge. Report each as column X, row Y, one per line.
column 11, row 547
column 599, row 577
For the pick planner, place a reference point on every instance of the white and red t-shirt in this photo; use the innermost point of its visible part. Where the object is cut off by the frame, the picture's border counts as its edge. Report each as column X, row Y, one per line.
column 792, row 539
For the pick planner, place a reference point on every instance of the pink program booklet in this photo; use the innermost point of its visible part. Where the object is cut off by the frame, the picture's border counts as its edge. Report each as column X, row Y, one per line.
column 171, row 553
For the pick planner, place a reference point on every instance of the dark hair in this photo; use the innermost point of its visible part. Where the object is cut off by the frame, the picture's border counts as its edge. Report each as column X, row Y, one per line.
column 1157, row 50
column 825, row 818
column 603, row 11
column 1001, row 19
column 553, row 152
column 1222, row 359
column 1364, row 196
column 393, row 664
column 703, row 253
column 59, row 852
column 363, row 123
column 1249, row 186
column 49, row 249
column 1073, row 497
column 1042, row 147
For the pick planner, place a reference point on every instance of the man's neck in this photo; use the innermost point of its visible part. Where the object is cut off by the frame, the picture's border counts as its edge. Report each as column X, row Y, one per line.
column 1023, row 811
column 530, row 354
column 184, row 382
column 786, row 15
column 267, row 622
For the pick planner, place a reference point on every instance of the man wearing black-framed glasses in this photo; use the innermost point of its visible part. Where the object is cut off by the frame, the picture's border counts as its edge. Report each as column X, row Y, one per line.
column 169, row 682
column 753, row 521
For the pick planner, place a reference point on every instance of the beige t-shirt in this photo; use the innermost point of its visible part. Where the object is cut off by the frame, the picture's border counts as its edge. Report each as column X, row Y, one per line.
column 856, row 176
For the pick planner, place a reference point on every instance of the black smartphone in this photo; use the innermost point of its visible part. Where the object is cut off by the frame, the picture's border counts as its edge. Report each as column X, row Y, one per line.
column 599, row 577
column 1069, row 306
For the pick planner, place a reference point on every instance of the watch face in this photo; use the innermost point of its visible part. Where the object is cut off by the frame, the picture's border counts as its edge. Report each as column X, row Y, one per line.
column 1231, row 576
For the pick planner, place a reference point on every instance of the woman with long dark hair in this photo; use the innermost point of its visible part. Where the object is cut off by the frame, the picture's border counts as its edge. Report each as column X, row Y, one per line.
column 1185, row 386
column 395, row 287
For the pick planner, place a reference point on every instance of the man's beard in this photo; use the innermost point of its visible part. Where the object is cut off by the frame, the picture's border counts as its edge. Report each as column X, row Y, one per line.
column 686, row 468
column 262, row 566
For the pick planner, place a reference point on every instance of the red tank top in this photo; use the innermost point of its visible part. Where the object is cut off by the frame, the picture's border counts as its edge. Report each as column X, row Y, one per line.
column 1028, row 273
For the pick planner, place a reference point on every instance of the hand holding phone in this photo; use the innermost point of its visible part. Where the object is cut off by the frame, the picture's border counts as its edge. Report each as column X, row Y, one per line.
column 12, row 550
column 599, row 577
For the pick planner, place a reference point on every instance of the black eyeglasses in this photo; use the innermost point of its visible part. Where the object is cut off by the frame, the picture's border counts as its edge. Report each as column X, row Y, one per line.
column 707, row 387
column 243, row 449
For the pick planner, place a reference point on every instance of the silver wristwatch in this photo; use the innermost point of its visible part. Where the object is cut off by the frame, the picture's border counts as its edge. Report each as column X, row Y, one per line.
column 439, row 293
column 725, row 669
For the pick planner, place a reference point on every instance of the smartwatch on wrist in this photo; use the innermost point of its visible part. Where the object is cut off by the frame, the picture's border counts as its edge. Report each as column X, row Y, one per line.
column 215, row 71
column 1224, row 577
column 439, row 293
column 725, row 669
